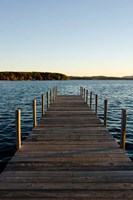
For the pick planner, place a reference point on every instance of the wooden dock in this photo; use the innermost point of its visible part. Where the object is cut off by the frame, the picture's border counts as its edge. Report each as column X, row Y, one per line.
column 69, row 155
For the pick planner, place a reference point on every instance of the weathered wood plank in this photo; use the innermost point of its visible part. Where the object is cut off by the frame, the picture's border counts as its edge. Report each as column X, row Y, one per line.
column 42, row 166
column 39, row 193
column 65, row 186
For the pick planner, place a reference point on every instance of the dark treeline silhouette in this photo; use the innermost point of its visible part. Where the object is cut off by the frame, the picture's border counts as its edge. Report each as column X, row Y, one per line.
column 13, row 76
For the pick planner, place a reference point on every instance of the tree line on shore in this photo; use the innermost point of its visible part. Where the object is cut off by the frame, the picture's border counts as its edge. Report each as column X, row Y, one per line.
column 13, row 76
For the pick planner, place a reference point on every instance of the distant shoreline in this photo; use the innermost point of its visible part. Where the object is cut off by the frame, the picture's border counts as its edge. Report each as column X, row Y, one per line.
column 32, row 76
column 100, row 78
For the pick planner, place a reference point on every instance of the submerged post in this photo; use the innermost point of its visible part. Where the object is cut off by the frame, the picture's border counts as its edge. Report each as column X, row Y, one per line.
column 18, row 129
column 34, row 113
column 43, row 105
column 105, row 112
column 123, row 129
column 90, row 100
column 96, row 104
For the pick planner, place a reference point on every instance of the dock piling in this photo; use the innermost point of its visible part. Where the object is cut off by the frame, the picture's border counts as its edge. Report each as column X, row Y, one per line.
column 18, row 128
column 90, row 100
column 56, row 91
column 50, row 97
column 43, row 111
column 105, row 112
column 84, row 94
column 96, row 104
column 47, row 99
column 87, row 96
column 81, row 92
column 123, row 129
column 34, row 113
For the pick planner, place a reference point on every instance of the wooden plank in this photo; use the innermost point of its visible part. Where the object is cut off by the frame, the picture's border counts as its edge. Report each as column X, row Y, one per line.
column 41, row 193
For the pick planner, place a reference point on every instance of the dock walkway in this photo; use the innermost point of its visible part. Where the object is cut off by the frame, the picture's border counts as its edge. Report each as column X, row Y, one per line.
column 69, row 155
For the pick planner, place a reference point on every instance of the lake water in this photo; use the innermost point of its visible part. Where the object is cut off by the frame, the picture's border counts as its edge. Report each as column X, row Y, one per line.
column 19, row 94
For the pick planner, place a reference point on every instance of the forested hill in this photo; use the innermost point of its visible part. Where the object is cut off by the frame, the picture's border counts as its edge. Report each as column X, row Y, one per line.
column 13, row 76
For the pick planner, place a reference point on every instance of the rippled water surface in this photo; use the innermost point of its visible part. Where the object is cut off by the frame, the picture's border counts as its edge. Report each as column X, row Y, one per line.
column 19, row 94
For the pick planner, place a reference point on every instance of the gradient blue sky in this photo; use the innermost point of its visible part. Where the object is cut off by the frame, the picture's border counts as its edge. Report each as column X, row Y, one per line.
column 74, row 37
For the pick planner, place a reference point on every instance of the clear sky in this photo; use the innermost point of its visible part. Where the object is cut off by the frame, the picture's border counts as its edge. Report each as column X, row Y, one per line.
column 74, row 37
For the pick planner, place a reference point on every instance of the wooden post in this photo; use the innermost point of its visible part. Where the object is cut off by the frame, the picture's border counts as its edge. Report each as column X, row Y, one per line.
column 56, row 91
column 53, row 93
column 123, row 129
column 96, row 104
column 55, row 88
column 34, row 113
column 43, row 106
column 84, row 94
column 81, row 93
column 105, row 112
column 50, row 97
column 47, row 100
column 87, row 96
column 80, row 90
column 90, row 100
column 18, row 129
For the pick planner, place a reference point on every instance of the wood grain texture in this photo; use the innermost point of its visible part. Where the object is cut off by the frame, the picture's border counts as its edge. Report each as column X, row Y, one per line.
column 68, row 155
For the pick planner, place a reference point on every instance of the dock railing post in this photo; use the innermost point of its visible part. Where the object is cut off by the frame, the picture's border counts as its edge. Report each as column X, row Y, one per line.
column 50, row 97
column 90, row 100
column 56, row 91
column 18, row 128
column 81, row 92
column 96, row 104
column 47, row 99
column 34, row 113
column 87, row 96
column 53, row 95
column 43, row 111
column 84, row 94
column 123, row 129
column 105, row 112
